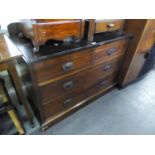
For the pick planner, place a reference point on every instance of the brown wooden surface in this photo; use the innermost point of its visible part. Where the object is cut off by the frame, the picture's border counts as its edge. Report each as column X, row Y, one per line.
column 40, row 31
column 90, row 29
column 108, row 25
column 52, row 68
column 59, row 31
column 58, row 105
column 68, row 111
column 103, row 53
column 148, row 37
column 87, row 76
column 141, row 43
column 79, row 81
column 50, row 20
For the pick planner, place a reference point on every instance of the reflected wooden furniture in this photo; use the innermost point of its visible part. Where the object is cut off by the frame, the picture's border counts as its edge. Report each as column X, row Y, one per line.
column 42, row 30
column 7, row 106
column 96, row 26
column 103, row 25
column 143, row 31
column 8, row 56
column 67, row 77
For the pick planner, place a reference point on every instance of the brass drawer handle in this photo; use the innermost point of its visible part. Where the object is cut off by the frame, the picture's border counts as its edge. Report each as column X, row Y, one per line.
column 111, row 51
column 68, row 101
column 107, row 67
column 68, row 66
column 111, row 25
column 68, row 85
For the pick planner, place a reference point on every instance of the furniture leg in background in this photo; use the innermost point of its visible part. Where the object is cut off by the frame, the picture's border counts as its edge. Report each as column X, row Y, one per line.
column 19, row 90
column 7, row 106
column 8, row 57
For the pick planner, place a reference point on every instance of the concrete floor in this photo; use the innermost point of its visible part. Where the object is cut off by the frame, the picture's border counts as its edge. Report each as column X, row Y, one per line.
column 127, row 111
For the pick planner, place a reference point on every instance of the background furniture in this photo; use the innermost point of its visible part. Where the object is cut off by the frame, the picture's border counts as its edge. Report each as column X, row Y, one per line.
column 97, row 26
column 104, row 25
column 143, row 31
column 7, row 106
column 149, row 63
column 8, row 56
column 42, row 30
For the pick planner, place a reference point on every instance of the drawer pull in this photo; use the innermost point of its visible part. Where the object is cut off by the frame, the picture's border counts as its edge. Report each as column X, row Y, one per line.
column 107, row 67
column 68, row 66
column 111, row 51
column 111, row 25
column 67, row 101
column 68, row 85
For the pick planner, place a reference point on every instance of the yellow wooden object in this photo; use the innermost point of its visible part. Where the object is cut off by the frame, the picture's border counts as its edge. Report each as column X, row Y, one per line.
column 16, row 121
column 11, row 112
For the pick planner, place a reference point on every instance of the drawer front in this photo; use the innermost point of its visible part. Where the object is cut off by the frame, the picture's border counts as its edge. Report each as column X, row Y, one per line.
column 78, row 82
column 60, row 30
column 62, row 65
column 109, row 51
column 65, row 102
column 108, row 25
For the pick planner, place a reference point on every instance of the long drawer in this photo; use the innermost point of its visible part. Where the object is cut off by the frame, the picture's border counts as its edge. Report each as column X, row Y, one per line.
column 109, row 51
column 65, row 102
column 108, row 25
column 80, row 81
column 62, row 65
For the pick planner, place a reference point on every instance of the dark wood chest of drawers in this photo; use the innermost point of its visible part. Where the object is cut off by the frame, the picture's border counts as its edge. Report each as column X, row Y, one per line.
column 68, row 78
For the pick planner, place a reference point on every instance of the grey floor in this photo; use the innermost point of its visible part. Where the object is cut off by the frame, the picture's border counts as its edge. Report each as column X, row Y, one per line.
column 127, row 111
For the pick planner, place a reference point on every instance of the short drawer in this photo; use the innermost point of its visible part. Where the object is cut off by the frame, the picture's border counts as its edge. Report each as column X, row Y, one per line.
column 66, row 102
column 110, row 51
column 60, row 30
column 80, row 81
column 62, row 65
column 108, row 25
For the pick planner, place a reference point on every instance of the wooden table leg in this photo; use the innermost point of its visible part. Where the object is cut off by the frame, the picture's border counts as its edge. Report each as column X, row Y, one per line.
column 16, row 121
column 20, row 92
column 9, row 108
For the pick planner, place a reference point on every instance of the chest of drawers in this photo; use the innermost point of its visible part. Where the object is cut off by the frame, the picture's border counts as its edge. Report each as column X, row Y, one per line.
column 65, row 78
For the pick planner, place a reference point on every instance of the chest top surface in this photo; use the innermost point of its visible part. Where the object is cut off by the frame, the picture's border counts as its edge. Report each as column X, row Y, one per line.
column 53, row 49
